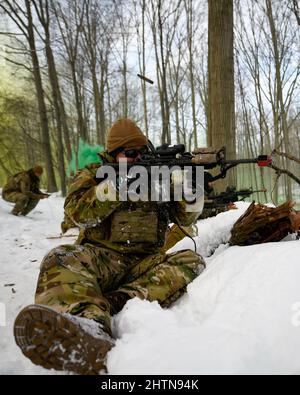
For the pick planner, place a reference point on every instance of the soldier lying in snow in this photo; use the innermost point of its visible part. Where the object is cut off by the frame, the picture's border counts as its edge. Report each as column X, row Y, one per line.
column 23, row 190
column 116, row 257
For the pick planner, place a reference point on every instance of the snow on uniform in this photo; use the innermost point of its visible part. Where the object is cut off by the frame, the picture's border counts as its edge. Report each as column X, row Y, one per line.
column 118, row 249
column 23, row 190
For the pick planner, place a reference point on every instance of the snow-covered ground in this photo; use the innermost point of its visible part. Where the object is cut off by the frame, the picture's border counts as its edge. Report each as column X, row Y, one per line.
column 241, row 316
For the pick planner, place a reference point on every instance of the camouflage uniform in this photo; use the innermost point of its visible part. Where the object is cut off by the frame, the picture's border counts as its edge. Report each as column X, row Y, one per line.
column 67, row 222
column 118, row 249
column 23, row 190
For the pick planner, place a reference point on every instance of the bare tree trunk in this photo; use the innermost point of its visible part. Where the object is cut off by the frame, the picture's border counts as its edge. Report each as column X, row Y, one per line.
column 96, row 93
column 190, row 36
column 110, row 109
column 81, row 127
column 43, row 14
column 102, row 120
column 70, row 37
column 296, row 10
column 125, row 96
column 159, row 83
column 58, row 117
column 282, row 111
column 124, row 25
column 163, row 25
column 94, row 30
column 52, row 187
column 142, row 58
column 166, row 136
column 202, row 87
column 221, row 79
column 175, row 88
column 248, row 128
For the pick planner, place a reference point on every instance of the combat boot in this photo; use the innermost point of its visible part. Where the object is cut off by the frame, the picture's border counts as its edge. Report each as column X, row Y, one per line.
column 15, row 211
column 61, row 341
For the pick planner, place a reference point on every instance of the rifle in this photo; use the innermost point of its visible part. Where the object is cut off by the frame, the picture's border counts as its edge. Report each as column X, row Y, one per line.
column 231, row 195
column 209, row 158
column 216, row 204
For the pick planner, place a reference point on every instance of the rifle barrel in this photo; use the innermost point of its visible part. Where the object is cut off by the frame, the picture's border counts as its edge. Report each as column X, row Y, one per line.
column 239, row 161
column 183, row 161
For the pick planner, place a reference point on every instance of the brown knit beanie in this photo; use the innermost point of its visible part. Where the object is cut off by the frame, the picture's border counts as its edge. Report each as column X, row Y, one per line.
column 38, row 170
column 125, row 133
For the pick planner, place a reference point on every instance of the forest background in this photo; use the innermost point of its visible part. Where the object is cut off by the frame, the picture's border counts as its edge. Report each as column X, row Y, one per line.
column 68, row 70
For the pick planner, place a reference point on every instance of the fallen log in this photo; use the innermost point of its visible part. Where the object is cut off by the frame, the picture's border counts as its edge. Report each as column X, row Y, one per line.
column 262, row 224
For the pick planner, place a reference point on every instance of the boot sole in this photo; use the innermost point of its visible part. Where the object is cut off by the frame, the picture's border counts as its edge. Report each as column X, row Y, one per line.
column 56, row 341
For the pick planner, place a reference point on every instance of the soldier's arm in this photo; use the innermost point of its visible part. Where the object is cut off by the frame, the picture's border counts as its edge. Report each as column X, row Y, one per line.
column 83, row 205
column 184, row 213
column 25, row 188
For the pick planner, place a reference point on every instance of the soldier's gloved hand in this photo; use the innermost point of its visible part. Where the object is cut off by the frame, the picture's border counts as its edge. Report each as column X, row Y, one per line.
column 177, row 181
column 185, row 257
column 185, row 181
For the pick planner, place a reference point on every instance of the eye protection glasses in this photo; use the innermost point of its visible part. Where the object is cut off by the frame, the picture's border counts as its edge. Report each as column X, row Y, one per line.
column 134, row 153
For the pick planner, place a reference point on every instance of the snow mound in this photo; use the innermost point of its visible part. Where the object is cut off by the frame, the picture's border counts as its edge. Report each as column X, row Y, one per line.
column 213, row 232
column 23, row 244
column 241, row 316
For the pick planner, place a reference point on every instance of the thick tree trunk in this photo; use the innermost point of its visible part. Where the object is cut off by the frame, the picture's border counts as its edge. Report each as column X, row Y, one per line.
column 221, row 120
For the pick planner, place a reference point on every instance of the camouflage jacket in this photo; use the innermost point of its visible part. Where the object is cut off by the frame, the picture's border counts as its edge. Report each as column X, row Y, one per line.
column 25, row 182
column 127, row 227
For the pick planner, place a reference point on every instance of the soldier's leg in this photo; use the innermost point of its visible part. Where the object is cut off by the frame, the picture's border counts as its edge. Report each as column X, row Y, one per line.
column 19, row 199
column 70, row 282
column 73, row 278
column 32, row 203
column 163, row 277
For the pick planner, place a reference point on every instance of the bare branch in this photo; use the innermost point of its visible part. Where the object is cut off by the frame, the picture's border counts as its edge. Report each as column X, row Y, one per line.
column 18, row 64
column 14, row 16
column 286, row 155
column 280, row 171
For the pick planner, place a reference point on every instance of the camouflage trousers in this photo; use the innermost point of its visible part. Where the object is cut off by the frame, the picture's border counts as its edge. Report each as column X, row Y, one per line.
column 77, row 279
column 23, row 204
